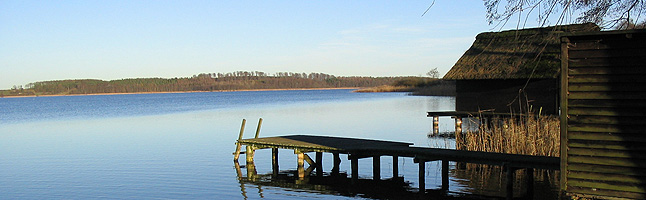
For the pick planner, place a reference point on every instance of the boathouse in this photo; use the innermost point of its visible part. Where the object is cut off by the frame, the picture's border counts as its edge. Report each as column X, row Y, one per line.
column 603, row 138
column 512, row 71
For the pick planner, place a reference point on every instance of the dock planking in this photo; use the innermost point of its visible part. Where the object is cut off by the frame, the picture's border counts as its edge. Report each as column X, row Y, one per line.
column 310, row 143
column 357, row 148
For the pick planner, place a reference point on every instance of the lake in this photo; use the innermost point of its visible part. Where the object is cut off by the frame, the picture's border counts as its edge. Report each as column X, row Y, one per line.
column 179, row 145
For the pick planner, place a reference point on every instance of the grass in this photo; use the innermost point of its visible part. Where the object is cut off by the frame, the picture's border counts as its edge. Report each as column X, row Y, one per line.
column 386, row 88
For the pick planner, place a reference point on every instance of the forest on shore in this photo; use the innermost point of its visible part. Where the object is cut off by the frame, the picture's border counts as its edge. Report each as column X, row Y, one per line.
column 240, row 80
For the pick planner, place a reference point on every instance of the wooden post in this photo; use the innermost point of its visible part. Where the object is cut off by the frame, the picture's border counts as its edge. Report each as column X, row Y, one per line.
column 337, row 163
column 445, row 175
column 422, row 176
column 274, row 161
column 458, row 125
column 258, row 129
column 236, row 154
column 250, row 153
column 354, row 162
column 251, row 171
column 395, row 167
column 319, row 164
column 376, row 168
column 530, row 183
column 300, row 165
column 436, row 125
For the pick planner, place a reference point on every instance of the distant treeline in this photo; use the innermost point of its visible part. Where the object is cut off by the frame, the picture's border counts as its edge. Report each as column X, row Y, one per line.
column 240, row 80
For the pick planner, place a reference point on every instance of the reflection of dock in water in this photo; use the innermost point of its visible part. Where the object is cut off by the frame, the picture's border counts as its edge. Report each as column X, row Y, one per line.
column 338, row 184
column 364, row 148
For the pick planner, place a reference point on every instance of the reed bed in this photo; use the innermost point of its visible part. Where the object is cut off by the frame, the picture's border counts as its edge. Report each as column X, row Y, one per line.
column 527, row 135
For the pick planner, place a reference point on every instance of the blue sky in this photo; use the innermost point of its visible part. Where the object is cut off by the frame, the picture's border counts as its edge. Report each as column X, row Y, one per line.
column 53, row 40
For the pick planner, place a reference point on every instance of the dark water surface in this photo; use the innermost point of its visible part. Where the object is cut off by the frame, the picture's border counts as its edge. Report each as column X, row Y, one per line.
column 178, row 146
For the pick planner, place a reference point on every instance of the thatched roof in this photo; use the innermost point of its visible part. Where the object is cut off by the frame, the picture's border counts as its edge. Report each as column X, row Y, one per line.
column 515, row 54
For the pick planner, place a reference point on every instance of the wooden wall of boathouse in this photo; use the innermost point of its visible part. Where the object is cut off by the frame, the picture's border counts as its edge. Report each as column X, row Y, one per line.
column 603, row 120
column 508, row 95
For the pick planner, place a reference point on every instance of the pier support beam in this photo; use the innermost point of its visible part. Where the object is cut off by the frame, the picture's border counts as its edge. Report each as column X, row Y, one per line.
column 458, row 125
column 337, row 163
column 445, row 175
column 395, row 167
column 250, row 153
column 422, row 176
column 300, row 161
column 354, row 163
column 436, row 125
column 319, row 164
column 274, row 161
column 376, row 168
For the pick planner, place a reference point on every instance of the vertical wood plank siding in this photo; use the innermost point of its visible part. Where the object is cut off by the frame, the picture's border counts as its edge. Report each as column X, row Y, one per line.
column 603, row 119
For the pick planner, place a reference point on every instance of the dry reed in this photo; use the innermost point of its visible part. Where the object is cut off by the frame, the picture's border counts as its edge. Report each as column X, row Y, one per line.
column 527, row 135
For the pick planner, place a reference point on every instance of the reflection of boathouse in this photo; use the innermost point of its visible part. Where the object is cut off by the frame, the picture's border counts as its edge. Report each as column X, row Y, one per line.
column 504, row 72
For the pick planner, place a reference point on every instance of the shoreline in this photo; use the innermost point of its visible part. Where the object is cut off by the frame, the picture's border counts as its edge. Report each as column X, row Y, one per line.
column 173, row 92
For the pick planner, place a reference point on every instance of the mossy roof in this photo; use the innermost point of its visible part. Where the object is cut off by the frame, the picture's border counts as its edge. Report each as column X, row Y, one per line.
column 515, row 54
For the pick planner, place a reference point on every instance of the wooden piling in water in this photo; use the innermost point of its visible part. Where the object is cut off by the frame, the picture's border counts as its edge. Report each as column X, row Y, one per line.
column 337, row 163
column 250, row 153
column 319, row 164
column 445, row 175
column 274, row 161
column 395, row 167
column 376, row 168
column 436, row 125
column 422, row 176
column 300, row 165
column 354, row 165
column 258, row 128
column 236, row 154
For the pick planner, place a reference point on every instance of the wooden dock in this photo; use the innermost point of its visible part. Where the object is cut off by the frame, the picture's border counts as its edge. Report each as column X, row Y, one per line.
column 364, row 148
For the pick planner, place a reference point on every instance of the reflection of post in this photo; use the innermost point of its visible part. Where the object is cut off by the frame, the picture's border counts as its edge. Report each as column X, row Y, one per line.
column 509, row 189
column 243, row 191
column 300, row 168
column 337, row 163
column 436, row 125
column 274, row 161
column 530, row 182
column 238, row 170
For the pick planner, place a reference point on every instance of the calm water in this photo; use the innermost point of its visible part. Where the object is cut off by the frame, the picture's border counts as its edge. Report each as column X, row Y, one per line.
column 178, row 146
